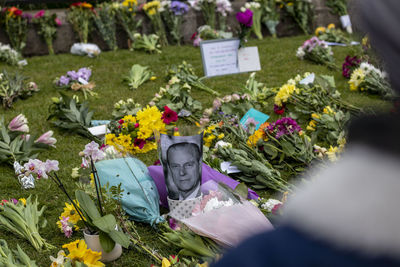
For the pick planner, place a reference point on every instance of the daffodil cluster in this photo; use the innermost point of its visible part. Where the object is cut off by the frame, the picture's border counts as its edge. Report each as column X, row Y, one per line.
column 78, row 253
column 135, row 134
column 331, row 34
column 211, row 135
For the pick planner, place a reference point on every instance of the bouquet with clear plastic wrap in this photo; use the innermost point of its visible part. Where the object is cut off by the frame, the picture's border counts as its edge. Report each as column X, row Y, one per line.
column 225, row 217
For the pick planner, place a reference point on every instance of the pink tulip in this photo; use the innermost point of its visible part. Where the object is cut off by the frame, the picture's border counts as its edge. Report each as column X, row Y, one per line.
column 19, row 124
column 39, row 14
column 47, row 139
column 58, row 21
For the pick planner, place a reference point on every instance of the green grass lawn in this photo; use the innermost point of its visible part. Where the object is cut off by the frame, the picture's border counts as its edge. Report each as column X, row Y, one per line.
column 278, row 62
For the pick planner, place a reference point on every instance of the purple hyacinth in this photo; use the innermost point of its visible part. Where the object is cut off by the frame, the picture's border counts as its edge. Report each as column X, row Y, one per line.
column 64, row 80
column 85, row 73
column 179, row 8
column 284, row 126
column 73, row 75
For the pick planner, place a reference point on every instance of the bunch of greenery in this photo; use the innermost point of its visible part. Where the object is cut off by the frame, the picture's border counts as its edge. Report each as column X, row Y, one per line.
column 16, row 27
column 137, row 76
column 14, row 258
column 152, row 10
column 80, row 17
column 184, row 72
column 123, row 108
column 47, row 27
column 24, row 220
column 104, row 18
column 126, row 14
column 270, row 15
column 13, row 86
column 148, row 43
column 302, row 13
column 338, row 7
column 9, row 55
column 71, row 115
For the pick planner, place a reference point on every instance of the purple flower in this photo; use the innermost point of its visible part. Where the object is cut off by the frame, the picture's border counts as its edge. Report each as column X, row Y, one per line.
column 27, row 17
column 19, row 124
column 36, row 166
column 349, row 65
column 84, row 73
column 173, row 224
column 51, row 165
column 284, row 126
column 64, row 80
column 92, row 150
column 47, row 139
column 73, row 75
column 13, row 200
column 65, row 227
column 179, row 8
column 245, row 18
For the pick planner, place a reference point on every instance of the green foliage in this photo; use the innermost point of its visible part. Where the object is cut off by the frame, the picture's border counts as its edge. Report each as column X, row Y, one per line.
column 25, row 221
column 104, row 18
column 338, row 7
column 137, row 76
column 127, row 18
column 72, row 116
column 14, row 258
column 148, row 43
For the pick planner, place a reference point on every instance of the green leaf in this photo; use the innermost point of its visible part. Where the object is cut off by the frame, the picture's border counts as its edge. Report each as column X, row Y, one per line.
column 5, row 135
column 106, row 223
column 120, row 238
column 288, row 148
column 242, row 190
column 87, row 205
column 106, row 242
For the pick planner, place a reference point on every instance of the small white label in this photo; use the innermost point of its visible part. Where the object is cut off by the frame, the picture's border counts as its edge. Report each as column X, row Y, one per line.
column 345, row 20
column 249, row 59
column 227, row 167
column 82, row 81
column 309, row 79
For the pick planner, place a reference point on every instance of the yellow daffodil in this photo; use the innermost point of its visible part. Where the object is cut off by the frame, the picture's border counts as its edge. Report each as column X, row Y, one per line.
column 331, row 26
column 319, row 30
column 165, row 263
column 23, row 201
column 315, row 116
column 328, row 110
column 332, row 153
column 78, row 251
column 86, row 5
column 284, row 93
column 152, row 78
column 257, row 135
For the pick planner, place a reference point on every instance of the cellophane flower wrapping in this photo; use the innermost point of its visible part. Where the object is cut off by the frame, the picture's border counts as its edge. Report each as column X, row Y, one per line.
column 224, row 217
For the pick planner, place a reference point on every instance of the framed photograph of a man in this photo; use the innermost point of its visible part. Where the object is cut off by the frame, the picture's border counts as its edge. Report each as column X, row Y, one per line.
column 181, row 158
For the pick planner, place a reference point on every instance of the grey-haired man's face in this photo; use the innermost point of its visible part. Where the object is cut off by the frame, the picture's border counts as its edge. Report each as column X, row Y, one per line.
column 184, row 168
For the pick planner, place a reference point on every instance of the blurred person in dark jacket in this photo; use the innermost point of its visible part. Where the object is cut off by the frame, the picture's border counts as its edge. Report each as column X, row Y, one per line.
column 348, row 215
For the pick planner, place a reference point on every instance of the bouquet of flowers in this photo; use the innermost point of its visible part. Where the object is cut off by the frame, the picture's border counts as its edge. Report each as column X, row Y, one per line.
column 126, row 14
column 331, row 34
column 224, row 7
column 208, row 8
column 255, row 7
column 78, row 255
column 77, row 81
column 80, row 17
column 148, row 43
column 123, row 108
column 16, row 23
column 184, row 72
column 104, row 18
column 228, row 107
column 135, row 134
column 328, row 127
column 245, row 20
column 270, row 15
column 16, row 144
column 9, row 55
column 212, row 135
column 205, row 32
column 13, row 86
column 153, row 10
column 219, row 208
column 301, row 11
column 370, row 79
column 173, row 16
column 283, row 144
column 349, row 65
column 178, row 98
column 316, row 51
column 47, row 27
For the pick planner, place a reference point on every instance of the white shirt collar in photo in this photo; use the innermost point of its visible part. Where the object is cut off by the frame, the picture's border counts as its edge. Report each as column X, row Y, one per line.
column 192, row 195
